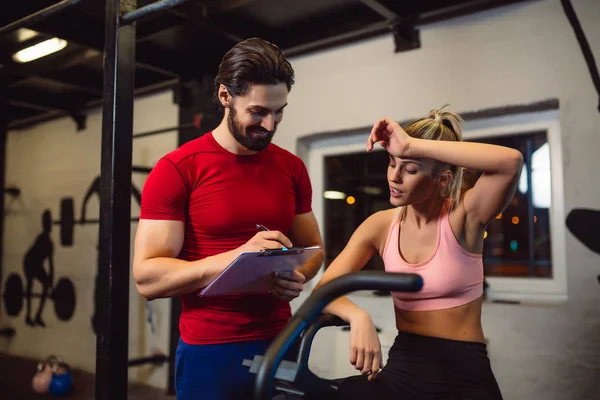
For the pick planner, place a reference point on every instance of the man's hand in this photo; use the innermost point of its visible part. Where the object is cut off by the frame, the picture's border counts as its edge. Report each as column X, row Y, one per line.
column 267, row 240
column 286, row 285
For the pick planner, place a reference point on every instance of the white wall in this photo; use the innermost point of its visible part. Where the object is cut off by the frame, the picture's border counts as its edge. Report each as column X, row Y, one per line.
column 516, row 55
column 51, row 161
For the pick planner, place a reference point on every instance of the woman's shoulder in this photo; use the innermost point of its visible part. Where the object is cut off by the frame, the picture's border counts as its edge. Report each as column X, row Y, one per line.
column 377, row 226
column 383, row 217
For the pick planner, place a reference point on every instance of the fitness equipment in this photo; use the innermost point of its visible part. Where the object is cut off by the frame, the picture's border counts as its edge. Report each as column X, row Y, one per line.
column 197, row 120
column 63, row 296
column 8, row 332
column 52, row 375
column 295, row 378
column 157, row 359
column 67, row 221
column 62, row 379
column 292, row 377
column 40, row 383
column 582, row 223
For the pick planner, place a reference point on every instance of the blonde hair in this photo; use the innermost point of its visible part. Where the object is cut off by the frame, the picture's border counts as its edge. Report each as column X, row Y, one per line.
column 441, row 125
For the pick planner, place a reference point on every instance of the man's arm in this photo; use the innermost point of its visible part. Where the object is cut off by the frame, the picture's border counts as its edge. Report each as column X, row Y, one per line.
column 305, row 233
column 156, row 270
column 158, row 273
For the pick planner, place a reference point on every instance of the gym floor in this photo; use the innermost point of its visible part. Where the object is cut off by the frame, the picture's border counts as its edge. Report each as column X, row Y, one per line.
column 16, row 374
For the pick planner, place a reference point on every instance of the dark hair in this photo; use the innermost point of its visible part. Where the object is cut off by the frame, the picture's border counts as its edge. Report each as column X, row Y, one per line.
column 252, row 61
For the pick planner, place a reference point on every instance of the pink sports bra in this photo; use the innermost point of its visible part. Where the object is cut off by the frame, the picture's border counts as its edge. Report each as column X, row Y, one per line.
column 451, row 276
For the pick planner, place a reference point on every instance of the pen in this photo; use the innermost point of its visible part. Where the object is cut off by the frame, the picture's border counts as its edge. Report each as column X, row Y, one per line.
column 263, row 228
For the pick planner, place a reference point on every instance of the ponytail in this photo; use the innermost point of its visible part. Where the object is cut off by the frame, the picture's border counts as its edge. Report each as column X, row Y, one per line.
column 442, row 125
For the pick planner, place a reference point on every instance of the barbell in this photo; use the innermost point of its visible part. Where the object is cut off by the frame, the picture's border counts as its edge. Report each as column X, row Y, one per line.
column 63, row 296
column 67, row 221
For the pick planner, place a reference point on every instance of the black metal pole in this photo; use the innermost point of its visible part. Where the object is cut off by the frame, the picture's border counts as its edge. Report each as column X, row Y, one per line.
column 164, row 130
column 190, row 103
column 588, row 55
column 140, row 169
column 173, row 342
column 161, row 5
column 38, row 16
column 156, row 360
column 3, row 131
column 115, row 204
column 530, row 208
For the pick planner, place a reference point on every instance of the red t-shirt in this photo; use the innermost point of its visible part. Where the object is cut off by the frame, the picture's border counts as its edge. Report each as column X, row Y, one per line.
column 221, row 197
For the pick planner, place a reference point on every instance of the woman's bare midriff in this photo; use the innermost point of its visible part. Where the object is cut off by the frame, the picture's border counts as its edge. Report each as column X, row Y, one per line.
column 459, row 323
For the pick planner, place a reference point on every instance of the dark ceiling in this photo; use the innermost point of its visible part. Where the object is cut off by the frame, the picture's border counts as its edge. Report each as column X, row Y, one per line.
column 189, row 40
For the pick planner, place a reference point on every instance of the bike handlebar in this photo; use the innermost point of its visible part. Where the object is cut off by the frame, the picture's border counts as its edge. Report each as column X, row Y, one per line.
column 310, row 310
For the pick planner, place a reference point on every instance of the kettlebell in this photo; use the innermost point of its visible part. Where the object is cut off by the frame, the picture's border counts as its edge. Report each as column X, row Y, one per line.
column 41, row 380
column 43, row 375
column 62, row 380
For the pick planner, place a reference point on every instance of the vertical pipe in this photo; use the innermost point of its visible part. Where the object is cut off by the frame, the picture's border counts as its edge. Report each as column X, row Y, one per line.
column 190, row 102
column 115, row 204
column 367, row 201
column 173, row 341
column 186, row 110
column 3, row 132
column 530, row 209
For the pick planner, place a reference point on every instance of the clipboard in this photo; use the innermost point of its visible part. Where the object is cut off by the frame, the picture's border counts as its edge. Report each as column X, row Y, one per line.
column 249, row 271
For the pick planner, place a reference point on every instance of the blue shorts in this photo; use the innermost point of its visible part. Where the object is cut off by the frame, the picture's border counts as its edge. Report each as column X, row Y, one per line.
column 215, row 371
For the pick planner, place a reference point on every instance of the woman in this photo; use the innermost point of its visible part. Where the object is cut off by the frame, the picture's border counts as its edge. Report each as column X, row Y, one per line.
column 436, row 231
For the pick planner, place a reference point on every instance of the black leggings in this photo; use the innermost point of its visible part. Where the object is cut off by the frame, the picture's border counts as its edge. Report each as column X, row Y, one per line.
column 428, row 368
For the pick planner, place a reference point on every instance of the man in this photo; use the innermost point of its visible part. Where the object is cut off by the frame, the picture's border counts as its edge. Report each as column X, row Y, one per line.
column 33, row 264
column 200, row 207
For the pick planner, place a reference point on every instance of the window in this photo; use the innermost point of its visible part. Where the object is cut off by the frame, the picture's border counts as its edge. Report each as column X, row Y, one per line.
column 355, row 187
column 516, row 244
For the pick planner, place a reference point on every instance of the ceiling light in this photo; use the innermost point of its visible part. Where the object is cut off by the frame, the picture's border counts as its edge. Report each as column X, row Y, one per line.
column 334, row 195
column 26, row 34
column 39, row 50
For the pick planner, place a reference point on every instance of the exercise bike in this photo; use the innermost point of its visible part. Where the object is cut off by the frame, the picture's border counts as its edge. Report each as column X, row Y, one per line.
column 280, row 379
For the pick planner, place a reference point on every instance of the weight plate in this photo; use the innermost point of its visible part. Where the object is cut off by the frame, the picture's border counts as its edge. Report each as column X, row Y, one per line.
column 13, row 295
column 67, row 221
column 64, row 299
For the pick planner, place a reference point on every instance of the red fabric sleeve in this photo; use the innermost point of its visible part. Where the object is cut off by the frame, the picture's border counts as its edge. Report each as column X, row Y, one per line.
column 303, row 191
column 165, row 194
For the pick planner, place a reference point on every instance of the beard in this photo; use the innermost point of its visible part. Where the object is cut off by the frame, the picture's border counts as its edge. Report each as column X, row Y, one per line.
column 256, row 138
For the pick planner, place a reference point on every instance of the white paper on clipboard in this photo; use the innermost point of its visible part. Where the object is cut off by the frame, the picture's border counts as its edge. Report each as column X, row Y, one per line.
column 249, row 271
